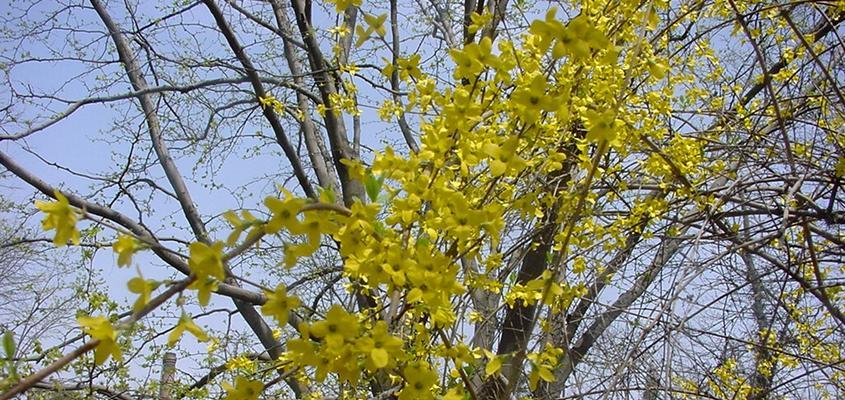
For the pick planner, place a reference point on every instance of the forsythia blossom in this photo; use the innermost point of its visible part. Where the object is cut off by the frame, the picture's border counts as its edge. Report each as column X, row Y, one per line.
column 61, row 217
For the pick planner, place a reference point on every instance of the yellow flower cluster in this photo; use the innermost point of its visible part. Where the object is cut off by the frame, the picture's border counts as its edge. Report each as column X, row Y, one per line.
column 243, row 389
column 542, row 365
column 336, row 344
column 273, row 103
column 241, row 363
column 519, row 135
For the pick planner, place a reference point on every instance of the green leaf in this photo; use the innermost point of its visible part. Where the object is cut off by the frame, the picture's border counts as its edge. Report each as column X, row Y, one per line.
column 424, row 240
column 379, row 228
column 373, row 186
column 9, row 344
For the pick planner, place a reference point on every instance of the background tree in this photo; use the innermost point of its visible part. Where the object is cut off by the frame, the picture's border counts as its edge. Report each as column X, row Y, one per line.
column 469, row 200
column 39, row 288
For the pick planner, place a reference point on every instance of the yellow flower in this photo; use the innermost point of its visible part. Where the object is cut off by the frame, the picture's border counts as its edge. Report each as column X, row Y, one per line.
column 321, row 109
column 381, row 347
column 493, row 365
column 186, row 324
column 313, row 226
column 342, row 5
column 285, row 213
column 355, row 169
column 279, row 304
column 239, row 225
column 241, row 362
column 61, row 217
column 409, row 67
column 580, row 38
column 479, row 21
column 547, row 30
column 341, row 31
column 657, row 67
column 294, row 252
column 539, row 372
column 466, row 65
column 204, row 287
column 375, row 23
column 125, row 247
column 272, row 102
column 424, row 94
column 352, row 238
column 531, row 100
column 100, row 328
column 206, row 262
column 142, row 287
column 305, row 352
column 503, row 158
column 419, row 378
column 337, row 326
column 350, row 69
column 460, row 114
column 474, row 58
column 455, row 393
column 601, row 126
column 244, row 389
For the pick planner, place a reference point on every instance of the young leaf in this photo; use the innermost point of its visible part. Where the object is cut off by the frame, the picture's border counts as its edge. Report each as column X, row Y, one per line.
column 9, row 344
column 373, row 186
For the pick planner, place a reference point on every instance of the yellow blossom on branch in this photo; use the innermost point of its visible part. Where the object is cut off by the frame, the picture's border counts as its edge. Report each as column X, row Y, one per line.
column 244, row 389
column 279, row 304
column 375, row 24
column 338, row 325
column 284, row 211
column 342, row 5
column 206, row 262
column 125, row 247
column 380, row 347
column 419, row 379
column 100, row 328
column 186, row 324
column 270, row 101
column 479, row 21
column 241, row 363
column 62, row 217
column 142, row 287
column 601, row 126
